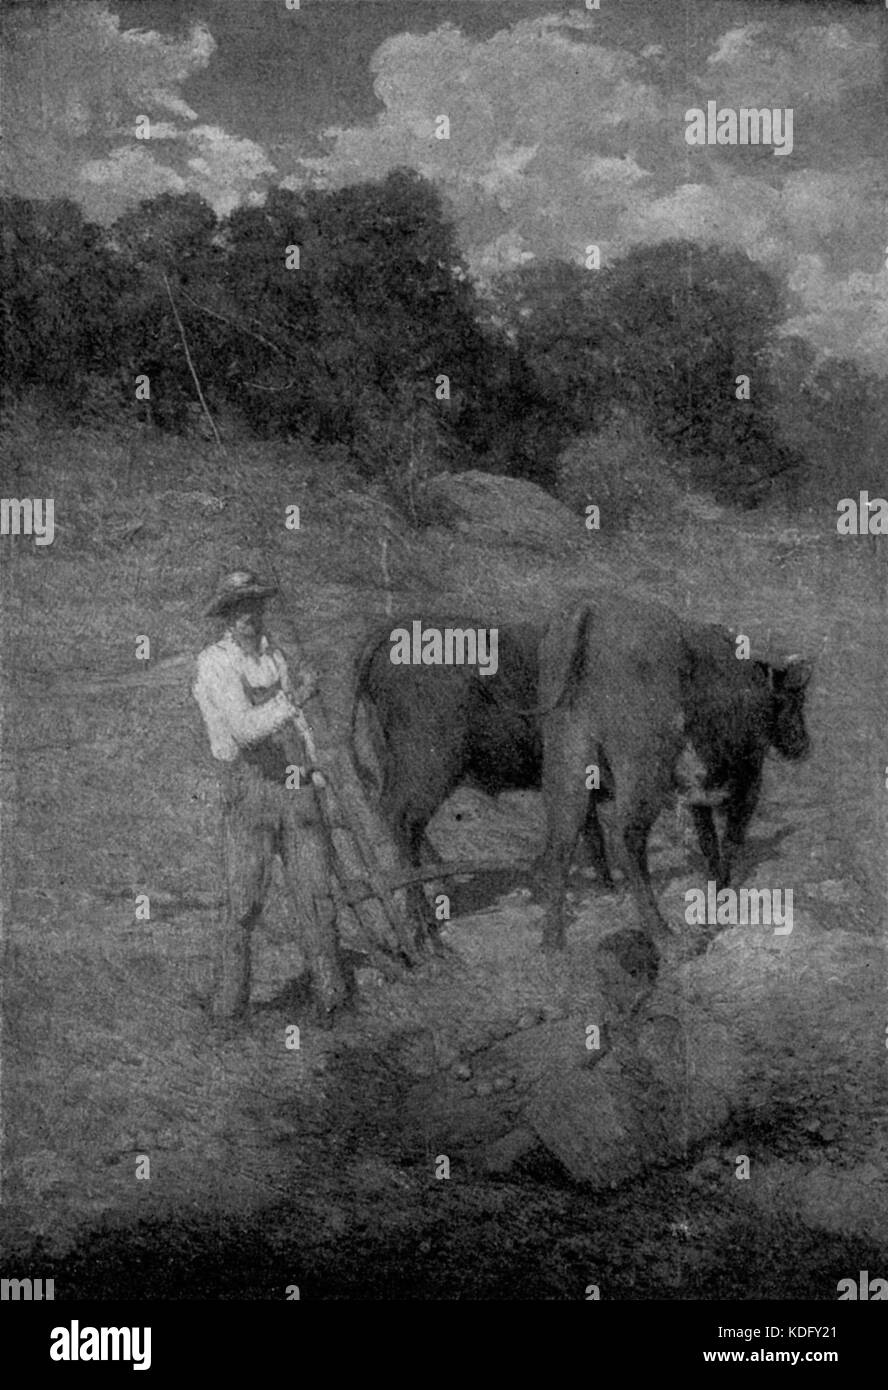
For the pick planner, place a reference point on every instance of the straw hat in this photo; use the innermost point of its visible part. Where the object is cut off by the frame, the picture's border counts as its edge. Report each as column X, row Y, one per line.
column 235, row 588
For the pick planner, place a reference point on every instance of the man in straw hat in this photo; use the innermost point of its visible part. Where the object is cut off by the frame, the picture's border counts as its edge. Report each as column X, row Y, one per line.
column 259, row 737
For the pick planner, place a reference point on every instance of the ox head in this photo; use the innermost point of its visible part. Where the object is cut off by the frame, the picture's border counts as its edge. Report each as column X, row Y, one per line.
column 788, row 683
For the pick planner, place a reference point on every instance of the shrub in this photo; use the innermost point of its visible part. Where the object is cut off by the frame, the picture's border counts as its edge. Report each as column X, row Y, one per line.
column 623, row 471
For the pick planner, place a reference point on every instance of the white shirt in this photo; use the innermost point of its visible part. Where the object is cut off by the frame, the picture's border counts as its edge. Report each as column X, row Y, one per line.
column 232, row 721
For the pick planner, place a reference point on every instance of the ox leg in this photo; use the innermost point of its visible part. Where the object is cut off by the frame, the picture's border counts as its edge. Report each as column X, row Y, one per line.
column 593, row 837
column 738, row 813
column 707, row 838
column 412, row 838
column 641, row 792
column 558, row 855
column 566, row 799
column 408, row 816
column 635, row 841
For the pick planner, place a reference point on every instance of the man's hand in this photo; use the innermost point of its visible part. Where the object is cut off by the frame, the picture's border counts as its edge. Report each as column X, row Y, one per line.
column 323, row 761
column 306, row 687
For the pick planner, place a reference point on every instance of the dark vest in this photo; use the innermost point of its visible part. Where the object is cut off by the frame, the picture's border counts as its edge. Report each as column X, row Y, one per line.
column 273, row 755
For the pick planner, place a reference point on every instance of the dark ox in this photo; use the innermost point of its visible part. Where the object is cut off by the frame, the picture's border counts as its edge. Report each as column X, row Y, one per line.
column 435, row 727
column 626, row 686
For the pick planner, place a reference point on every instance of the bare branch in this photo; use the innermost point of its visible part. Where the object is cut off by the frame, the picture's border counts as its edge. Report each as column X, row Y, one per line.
column 191, row 367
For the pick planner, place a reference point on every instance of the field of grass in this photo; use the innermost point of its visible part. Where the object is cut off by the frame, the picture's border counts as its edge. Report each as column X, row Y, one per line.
column 108, row 790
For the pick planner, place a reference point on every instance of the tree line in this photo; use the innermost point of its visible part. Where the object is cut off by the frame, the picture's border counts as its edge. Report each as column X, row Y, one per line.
column 349, row 316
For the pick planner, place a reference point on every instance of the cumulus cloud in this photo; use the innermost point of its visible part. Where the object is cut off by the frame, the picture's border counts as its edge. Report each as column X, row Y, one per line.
column 505, row 253
column 738, row 212
column 613, row 174
column 221, row 168
column 506, row 99
column 829, row 213
column 837, row 209
column 545, row 129
column 74, row 84
column 506, row 169
column 163, row 130
column 767, row 64
column 128, row 167
column 843, row 315
column 72, row 72
column 543, row 125
column 557, row 141
column 737, row 45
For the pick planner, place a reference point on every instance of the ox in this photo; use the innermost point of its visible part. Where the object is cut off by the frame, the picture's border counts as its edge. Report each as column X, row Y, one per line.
column 625, row 686
column 434, row 727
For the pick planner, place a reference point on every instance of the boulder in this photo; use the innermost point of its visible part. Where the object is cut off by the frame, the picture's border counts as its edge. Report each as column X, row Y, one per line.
column 756, row 1021
column 491, row 507
column 503, row 1154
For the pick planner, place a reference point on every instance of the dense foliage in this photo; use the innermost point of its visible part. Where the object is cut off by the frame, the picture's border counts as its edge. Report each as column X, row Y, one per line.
column 336, row 315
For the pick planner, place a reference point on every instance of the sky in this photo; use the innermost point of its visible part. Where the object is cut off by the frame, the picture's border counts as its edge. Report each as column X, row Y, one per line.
column 567, row 125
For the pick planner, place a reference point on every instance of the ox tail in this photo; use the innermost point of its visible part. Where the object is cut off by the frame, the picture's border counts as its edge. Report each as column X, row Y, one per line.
column 362, row 697
column 563, row 657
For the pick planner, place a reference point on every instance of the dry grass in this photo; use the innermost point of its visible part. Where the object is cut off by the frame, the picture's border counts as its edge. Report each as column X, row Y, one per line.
column 107, row 1053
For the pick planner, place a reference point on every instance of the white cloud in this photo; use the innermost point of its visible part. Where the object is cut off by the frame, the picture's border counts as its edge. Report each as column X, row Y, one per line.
column 612, row 174
column 815, row 212
column 163, row 130
column 836, row 208
column 736, row 45
column 843, row 315
column 100, row 76
column 505, row 253
column 557, row 141
column 740, row 212
column 506, row 168
column 129, row 174
column 83, row 143
column 221, row 168
column 538, row 89
column 224, row 169
column 544, row 123
column 769, row 64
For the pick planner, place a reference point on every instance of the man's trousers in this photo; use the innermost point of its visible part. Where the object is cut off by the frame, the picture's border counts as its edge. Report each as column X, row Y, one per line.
column 261, row 818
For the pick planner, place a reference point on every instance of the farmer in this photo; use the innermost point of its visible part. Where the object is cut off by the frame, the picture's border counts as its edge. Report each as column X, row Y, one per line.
column 257, row 731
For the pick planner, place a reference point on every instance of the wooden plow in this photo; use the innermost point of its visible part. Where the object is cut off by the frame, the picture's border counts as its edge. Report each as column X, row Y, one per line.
column 365, row 863
column 368, row 873
column 364, row 866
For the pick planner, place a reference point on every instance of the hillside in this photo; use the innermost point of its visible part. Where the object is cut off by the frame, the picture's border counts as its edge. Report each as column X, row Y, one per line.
column 311, row 1154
